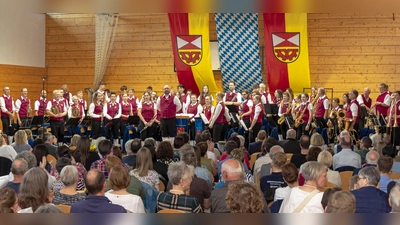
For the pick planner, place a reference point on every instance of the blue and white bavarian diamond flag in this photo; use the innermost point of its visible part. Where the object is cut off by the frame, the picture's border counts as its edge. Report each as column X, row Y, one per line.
column 239, row 52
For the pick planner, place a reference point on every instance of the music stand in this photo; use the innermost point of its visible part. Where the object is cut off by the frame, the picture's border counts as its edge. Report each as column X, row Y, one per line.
column 26, row 123
column 133, row 120
column 73, row 122
column 86, row 121
column 37, row 121
column 289, row 120
column 271, row 112
column 363, row 112
column 232, row 108
column 112, row 122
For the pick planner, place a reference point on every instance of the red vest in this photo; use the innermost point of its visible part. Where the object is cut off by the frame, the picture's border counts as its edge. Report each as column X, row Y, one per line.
column 23, row 109
column 245, row 109
column 125, row 110
column 167, row 107
column 320, row 110
column 202, row 100
column 260, row 116
column 207, row 112
column 349, row 114
column 42, row 106
column 382, row 109
column 134, row 105
column 265, row 94
column 112, row 110
column 221, row 116
column 183, row 101
column 367, row 103
column 79, row 106
column 82, row 102
column 231, row 96
column 8, row 102
column 192, row 109
column 98, row 109
column 148, row 111
column 120, row 99
column 284, row 108
column 66, row 96
column 306, row 115
column 60, row 105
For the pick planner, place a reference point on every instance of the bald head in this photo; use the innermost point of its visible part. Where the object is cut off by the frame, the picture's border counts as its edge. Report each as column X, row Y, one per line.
column 19, row 167
column 232, row 169
column 367, row 91
column 345, row 141
column 372, row 157
column 291, row 133
column 275, row 149
column 95, row 182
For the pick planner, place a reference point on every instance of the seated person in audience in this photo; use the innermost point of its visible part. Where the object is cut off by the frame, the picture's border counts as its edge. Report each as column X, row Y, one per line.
column 264, row 158
column 370, row 199
column 394, row 199
column 290, row 144
column 117, row 151
column 119, row 181
column 179, row 141
column 371, row 159
column 144, row 169
column 189, row 155
column 365, row 144
column 180, row 175
column 7, row 151
column 327, row 194
column 212, row 152
column 353, row 183
column 238, row 154
column 275, row 180
column 341, row 202
column 18, row 168
column 48, row 209
column 8, row 200
column 68, row 195
column 165, row 157
column 256, row 146
column 325, row 158
column 396, row 163
column 134, row 186
column 208, row 163
column 290, row 176
column 300, row 159
column 385, row 164
column 243, row 197
column 96, row 202
column 60, row 164
column 229, row 146
column 317, row 140
column 82, row 154
column 131, row 152
column 226, row 155
column 242, row 147
column 346, row 157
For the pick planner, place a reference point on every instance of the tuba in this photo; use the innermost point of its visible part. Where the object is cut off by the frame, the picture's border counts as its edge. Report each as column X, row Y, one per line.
column 76, row 112
column 341, row 114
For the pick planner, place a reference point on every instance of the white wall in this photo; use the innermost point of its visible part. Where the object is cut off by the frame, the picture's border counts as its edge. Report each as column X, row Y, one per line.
column 22, row 38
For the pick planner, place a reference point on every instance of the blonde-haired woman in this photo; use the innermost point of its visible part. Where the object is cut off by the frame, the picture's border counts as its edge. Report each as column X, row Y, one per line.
column 326, row 159
column 21, row 142
column 144, row 168
column 318, row 141
column 96, row 114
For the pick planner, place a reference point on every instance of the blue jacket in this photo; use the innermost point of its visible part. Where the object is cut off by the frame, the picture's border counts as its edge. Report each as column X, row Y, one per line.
column 371, row 200
column 96, row 204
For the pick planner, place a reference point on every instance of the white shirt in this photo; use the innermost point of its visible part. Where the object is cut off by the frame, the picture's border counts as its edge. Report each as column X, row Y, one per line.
column 91, row 111
column 18, row 104
column 176, row 102
column 217, row 111
column 105, row 111
column 280, row 113
column 296, row 196
column 238, row 96
column 386, row 101
column 257, row 112
column 249, row 103
column 346, row 157
column 8, row 151
column 360, row 99
column 105, row 95
column 132, row 203
column 354, row 108
column 281, row 193
column 37, row 104
column 185, row 105
column 326, row 102
column 3, row 104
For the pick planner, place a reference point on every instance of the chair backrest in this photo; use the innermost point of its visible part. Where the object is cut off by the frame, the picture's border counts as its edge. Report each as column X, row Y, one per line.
column 345, row 178
column 5, row 166
column 150, row 202
column 161, row 186
column 258, row 179
column 170, row 211
column 329, row 185
column 345, row 168
column 64, row 208
column 288, row 157
column 212, row 177
column 253, row 159
column 394, row 175
column 50, row 159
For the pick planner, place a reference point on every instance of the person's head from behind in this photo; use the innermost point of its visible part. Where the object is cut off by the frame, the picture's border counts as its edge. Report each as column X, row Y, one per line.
column 243, row 197
column 394, row 199
column 150, row 141
column 188, row 155
column 236, row 140
column 136, row 144
column 144, row 161
column 275, row 149
column 368, row 176
column 353, row 183
column 312, row 155
column 8, row 200
column 327, row 194
column 278, row 161
column 48, row 209
column 365, row 143
column 29, row 158
column 111, row 161
column 290, row 173
column 385, row 164
column 242, row 140
column 232, row 169
column 19, row 167
column 325, row 158
column 40, row 151
column 95, row 182
column 291, row 133
column 185, row 137
column 74, row 140
column 128, row 147
column 261, row 135
column 345, row 141
column 69, row 176
column 237, row 154
column 20, row 137
column 165, row 151
column 34, row 190
column 341, row 202
column 267, row 144
column 304, row 142
column 203, row 148
column 61, row 163
column 179, row 141
column 372, row 157
column 317, row 140
column 48, row 138
column 229, row 146
column 116, row 150
column 314, row 174
column 119, row 178
column 180, row 175
column 28, row 134
column 105, row 147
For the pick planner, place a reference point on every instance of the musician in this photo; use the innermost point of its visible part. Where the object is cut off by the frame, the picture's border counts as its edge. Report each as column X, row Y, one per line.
column 291, row 94
column 133, row 100
column 208, row 108
column 183, row 97
column 7, row 113
column 256, row 117
column 304, row 108
column 220, row 117
column 154, row 96
column 284, row 109
column 265, row 95
column 102, row 89
column 205, row 91
column 147, row 112
column 365, row 103
column 232, row 97
column 256, row 88
column 334, row 119
column 96, row 114
column 247, row 111
column 66, row 95
column 346, row 105
column 81, row 101
column 57, row 109
column 353, row 111
column 123, row 90
column 194, row 108
column 278, row 96
column 112, row 110
column 76, row 110
column 394, row 113
column 41, row 104
column 382, row 104
column 168, row 105
column 314, row 93
column 22, row 107
column 321, row 109
column 126, row 111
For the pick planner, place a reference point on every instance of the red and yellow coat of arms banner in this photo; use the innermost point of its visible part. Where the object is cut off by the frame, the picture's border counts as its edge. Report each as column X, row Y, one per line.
column 189, row 49
column 286, row 46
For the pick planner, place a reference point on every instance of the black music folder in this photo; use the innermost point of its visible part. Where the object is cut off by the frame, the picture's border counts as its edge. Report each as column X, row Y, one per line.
column 133, row 120
column 37, row 120
column 112, row 122
column 73, row 121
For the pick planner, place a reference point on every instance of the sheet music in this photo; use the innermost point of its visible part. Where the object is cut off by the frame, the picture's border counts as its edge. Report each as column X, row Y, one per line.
column 242, row 123
column 204, row 118
column 233, row 118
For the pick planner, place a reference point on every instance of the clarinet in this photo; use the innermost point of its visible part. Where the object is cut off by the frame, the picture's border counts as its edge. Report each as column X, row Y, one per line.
column 152, row 120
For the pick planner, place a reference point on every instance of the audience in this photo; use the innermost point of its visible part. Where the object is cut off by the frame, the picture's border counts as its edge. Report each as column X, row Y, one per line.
column 275, row 179
column 290, row 144
column 74, row 142
column 229, row 146
column 238, row 154
column 265, row 157
column 243, row 197
column 40, row 152
column 256, row 146
column 179, row 141
column 208, row 163
column 105, row 147
column 68, row 195
column 7, row 151
column 371, row 159
column 317, row 141
column 385, row 164
column 341, row 202
column 326, row 159
column 21, row 142
column 8, row 200
column 29, row 137
column 83, row 155
column 327, row 194
column 165, row 157
column 48, row 142
column 18, row 168
column 346, row 157
column 290, row 176
column 48, row 209
column 353, row 183
column 200, row 170
column 131, row 152
column 365, row 145
column 394, row 198
column 144, row 169
column 300, row 159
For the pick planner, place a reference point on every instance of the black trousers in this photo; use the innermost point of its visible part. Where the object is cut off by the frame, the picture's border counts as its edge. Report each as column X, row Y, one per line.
column 57, row 129
column 395, row 135
column 254, row 133
column 122, row 126
column 283, row 129
column 112, row 131
column 149, row 132
column 301, row 130
column 321, row 123
column 6, row 126
column 246, row 133
column 218, row 131
column 168, row 127
column 192, row 130
column 97, row 130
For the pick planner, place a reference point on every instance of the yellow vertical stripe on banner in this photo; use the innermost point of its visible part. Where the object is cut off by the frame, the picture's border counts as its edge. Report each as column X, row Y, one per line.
column 299, row 71
column 202, row 72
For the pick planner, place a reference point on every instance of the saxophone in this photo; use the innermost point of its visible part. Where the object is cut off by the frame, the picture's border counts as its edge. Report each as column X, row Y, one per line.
column 281, row 120
column 299, row 119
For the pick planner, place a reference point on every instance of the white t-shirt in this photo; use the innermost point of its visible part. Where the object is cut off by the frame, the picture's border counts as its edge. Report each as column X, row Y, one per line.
column 132, row 203
column 281, row 193
column 296, row 196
